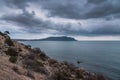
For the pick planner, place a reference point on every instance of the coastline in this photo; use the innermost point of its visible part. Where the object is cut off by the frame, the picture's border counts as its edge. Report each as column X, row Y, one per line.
column 26, row 63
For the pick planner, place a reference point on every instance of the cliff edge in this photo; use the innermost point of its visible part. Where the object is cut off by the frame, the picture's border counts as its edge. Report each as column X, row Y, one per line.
column 21, row 62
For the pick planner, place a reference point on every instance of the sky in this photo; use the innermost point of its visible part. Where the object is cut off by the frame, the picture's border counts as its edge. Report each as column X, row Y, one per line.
column 80, row 19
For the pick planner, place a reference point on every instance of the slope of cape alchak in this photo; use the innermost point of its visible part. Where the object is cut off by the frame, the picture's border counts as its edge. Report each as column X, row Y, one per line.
column 21, row 62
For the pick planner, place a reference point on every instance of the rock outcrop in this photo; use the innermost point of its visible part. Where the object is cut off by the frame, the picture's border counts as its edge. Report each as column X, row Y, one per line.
column 21, row 62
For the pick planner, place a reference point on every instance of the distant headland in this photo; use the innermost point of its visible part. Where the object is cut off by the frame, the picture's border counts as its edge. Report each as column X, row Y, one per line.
column 62, row 38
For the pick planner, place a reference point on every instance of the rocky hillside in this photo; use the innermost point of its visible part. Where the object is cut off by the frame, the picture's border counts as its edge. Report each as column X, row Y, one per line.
column 21, row 62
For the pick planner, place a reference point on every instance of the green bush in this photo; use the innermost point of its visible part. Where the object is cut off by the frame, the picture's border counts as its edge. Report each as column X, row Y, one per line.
column 9, row 42
column 13, row 59
column 12, row 52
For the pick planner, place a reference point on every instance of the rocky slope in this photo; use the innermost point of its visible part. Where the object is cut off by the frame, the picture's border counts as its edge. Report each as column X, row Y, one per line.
column 21, row 62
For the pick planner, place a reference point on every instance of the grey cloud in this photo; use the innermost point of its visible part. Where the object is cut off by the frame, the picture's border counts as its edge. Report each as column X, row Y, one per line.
column 82, row 10
column 106, row 30
column 67, row 9
column 26, row 20
column 20, row 4
column 17, row 4
column 98, row 32
column 104, row 10
column 96, row 1
column 74, row 9
column 33, row 25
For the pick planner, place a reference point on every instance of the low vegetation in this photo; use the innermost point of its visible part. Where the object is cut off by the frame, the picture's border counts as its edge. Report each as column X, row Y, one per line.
column 28, row 47
column 15, row 69
column 29, row 74
column 13, row 59
column 18, row 60
column 31, row 62
column 61, row 75
column 13, row 55
column 1, row 34
column 78, row 74
column 11, row 52
column 9, row 42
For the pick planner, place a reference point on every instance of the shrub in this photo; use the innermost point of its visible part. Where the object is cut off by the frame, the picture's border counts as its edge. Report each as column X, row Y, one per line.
column 78, row 74
column 35, row 65
column 43, row 56
column 15, row 68
column 9, row 42
column 52, row 61
column 20, row 49
column 6, row 32
column 39, row 63
column 100, row 77
column 70, row 66
column 13, row 59
column 28, row 46
column 31, row 56
column 12, row 52
column 61, row 75
column 1, row 34
column 36, row 50
column 29, row 74
column 32, row 64
column 42, row 70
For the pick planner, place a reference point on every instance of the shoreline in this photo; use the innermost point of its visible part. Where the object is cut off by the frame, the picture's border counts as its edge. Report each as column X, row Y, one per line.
column 33, row 64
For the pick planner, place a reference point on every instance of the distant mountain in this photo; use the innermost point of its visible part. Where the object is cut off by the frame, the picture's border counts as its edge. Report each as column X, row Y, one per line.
column 63, row 38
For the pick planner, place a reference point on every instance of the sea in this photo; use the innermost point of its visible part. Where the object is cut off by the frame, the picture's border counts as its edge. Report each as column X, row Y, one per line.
column 101, row 57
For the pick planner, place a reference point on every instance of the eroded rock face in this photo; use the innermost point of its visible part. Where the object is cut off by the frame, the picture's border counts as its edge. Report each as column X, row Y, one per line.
column 20, row 62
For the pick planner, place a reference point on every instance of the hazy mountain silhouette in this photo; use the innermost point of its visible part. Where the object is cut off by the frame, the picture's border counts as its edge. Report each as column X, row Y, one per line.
column 63, row 38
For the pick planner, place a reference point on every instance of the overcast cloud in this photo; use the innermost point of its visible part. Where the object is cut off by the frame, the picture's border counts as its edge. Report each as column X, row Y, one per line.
column 77, row 18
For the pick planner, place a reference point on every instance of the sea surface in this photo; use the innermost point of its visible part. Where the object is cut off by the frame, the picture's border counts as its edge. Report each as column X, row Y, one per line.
column 101, row 57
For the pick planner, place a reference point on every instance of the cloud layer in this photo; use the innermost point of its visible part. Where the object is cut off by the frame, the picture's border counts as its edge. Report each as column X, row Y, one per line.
column 88, row 18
